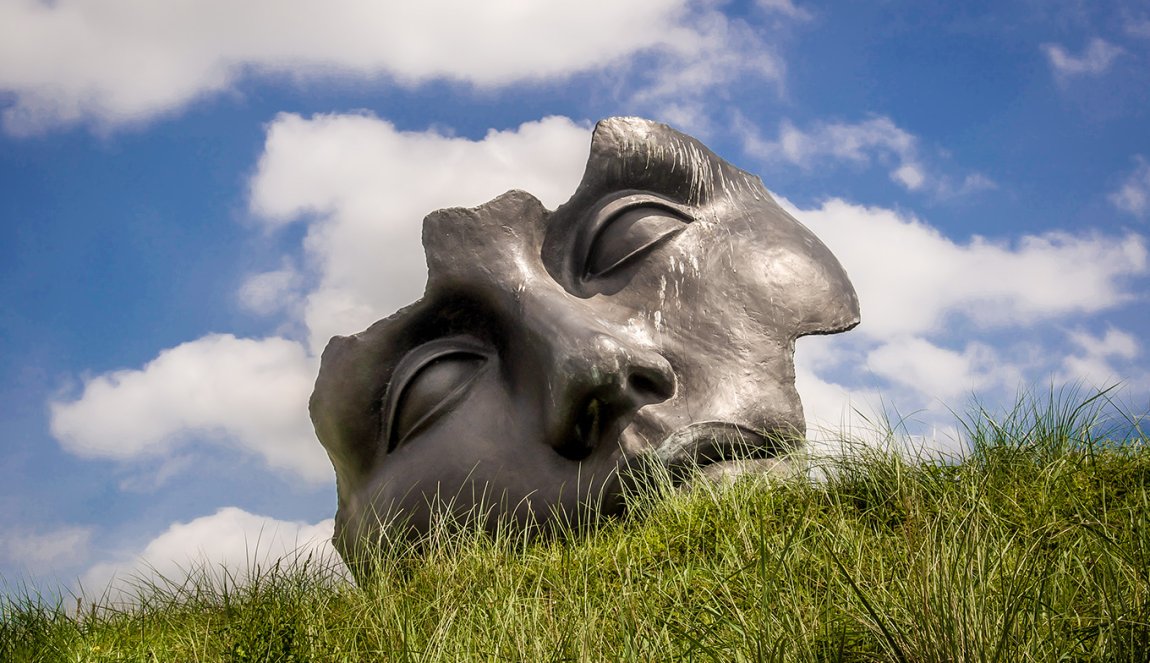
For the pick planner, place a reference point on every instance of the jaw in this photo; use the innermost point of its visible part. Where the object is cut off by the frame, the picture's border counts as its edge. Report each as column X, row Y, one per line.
column 585, row 493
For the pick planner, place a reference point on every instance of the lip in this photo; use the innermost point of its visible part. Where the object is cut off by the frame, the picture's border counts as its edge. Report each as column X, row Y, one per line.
column 710, row 442
column 713, row 449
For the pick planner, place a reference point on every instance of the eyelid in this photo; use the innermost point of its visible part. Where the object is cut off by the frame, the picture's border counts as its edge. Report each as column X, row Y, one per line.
column 611, row 209
column 411, row 365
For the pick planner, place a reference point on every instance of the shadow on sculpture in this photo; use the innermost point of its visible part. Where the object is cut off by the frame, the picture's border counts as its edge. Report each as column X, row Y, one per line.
column 555, row 356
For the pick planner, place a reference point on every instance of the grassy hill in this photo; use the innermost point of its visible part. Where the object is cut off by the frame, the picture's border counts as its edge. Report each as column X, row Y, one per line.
column 1034, row 547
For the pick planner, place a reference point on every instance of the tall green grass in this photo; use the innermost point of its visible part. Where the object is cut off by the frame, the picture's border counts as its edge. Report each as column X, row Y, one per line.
column 1035, row 546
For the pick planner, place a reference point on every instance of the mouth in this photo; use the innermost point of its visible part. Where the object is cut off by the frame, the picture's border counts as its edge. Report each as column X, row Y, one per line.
column 713, row 450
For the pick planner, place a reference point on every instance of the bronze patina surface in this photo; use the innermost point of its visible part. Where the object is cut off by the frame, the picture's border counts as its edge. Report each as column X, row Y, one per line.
column 651, row 318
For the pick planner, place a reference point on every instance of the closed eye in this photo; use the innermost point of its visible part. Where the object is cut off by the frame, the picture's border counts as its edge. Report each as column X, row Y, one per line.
column 428, row 384
column 627, row 229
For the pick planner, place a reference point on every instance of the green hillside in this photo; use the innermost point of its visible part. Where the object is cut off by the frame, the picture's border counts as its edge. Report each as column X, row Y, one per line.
column 1035, row 547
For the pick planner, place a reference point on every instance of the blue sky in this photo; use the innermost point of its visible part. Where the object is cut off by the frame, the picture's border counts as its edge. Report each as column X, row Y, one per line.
column 194, row 197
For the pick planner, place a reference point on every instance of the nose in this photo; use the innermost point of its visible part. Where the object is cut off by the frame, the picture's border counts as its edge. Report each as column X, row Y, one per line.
column 597, row 378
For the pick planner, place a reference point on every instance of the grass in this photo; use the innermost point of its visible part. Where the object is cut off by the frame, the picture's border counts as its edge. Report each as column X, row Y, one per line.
column 1034, row 547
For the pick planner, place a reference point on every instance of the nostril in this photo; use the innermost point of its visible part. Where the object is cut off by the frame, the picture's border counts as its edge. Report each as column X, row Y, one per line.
column 651, row 386
column 642, row 384
column 585, row 432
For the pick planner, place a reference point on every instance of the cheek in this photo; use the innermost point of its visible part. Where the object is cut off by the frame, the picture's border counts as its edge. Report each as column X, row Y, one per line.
column 720, row 293
column 490, row 444
column 759, row 278
column 723, row 309
column 477, row 431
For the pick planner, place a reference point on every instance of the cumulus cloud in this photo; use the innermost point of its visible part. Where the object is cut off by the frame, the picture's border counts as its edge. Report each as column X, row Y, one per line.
column 246, row 393
column 117, row 61
column 231, row 541
column 36, row 550
column 917, row 287
column 1134, row 194
column 829, row 406
column 912, row 279
column 876, row 140
column 844, row 402
column 1095, row 59
column 363, row 187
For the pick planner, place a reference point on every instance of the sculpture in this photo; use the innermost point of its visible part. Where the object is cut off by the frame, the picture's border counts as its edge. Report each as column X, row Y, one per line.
column 650, row 319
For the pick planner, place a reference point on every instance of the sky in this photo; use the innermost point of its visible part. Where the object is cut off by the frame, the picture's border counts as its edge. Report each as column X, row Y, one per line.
column 196, row 194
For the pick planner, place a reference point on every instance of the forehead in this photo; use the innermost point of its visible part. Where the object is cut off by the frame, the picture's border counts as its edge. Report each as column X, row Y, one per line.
column 514, row 234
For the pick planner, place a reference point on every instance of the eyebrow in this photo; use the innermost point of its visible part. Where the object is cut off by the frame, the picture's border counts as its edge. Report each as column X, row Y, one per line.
column 658, row 159
column 669, row 166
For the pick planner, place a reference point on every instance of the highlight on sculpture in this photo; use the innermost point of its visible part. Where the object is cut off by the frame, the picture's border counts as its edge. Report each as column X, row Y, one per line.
column 649, row 322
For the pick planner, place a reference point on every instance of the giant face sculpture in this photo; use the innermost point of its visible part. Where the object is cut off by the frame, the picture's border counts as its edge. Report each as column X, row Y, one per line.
column 649, row 321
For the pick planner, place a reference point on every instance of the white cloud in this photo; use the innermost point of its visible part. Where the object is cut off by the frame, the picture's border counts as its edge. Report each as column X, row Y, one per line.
column 864, row 411
column 243, row 392
column 877, row 140
column 784, row 7
column 942, row 373
column 909, row 175
column 363, row 188
column 679, row 86
column 975, row 182
column 831, row 408
column 37, row 550
column 1094, row 364
column 230, row 541
column 271, row 292
column 911, row 279
column 117, row 61
column 1134, row 194
column 877, row 137
column 1095, row 59
column 934, row 311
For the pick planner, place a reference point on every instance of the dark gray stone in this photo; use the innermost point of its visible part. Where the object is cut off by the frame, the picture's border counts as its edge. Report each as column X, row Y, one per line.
column 649, row 321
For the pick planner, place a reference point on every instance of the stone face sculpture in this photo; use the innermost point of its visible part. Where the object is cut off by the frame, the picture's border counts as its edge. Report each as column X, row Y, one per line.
column 650, row 319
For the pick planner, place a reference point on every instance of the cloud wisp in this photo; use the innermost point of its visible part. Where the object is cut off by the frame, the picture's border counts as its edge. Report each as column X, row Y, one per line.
column 678, row 85
column 1102, row 360
column 36, row 549
column 1096, row 59
column 1134, row 194
column 873, row 141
